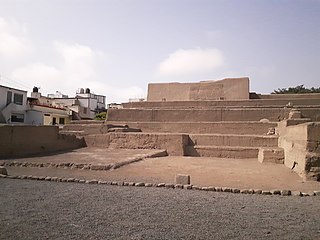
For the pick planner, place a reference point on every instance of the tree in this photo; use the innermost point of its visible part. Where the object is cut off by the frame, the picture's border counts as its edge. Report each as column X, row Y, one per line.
column 295, row 90
column 101, row 116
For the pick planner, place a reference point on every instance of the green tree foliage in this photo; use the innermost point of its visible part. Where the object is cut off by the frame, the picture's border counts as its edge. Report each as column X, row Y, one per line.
column 101, row 116
column 297, row 89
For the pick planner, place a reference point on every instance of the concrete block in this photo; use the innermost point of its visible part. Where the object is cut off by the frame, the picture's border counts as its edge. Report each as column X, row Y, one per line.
column 182, row 179
column 271, row 155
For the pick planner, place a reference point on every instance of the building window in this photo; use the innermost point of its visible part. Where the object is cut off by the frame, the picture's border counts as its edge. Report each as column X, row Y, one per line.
column 61, row 120
column 18, row 98
column 17, row 117
column 54, row 121
column 9, row 97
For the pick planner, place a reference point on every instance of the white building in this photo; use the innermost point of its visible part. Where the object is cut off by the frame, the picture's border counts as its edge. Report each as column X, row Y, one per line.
column 16, row 108
column 58, row 94
column 13, row 105
column 84, row 105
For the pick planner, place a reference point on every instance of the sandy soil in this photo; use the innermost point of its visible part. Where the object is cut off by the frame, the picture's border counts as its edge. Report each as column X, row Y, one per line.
column 90, row 155
column 217, row 172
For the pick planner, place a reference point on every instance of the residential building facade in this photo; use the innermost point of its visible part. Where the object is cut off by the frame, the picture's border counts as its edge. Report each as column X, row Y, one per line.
column 13, row 105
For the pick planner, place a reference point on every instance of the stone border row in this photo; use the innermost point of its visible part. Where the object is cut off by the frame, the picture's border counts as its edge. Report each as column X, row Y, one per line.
column 66, row 165
column 83, row 166
column 167, row 185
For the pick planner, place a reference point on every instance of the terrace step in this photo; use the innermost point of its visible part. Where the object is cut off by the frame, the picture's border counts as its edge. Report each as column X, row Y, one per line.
column 222, row 151
column 234, row 140
column 226, row 103
column 197, row 115
column 85, row 128
column 240, row 128
column 208, row 115
column 76, row 133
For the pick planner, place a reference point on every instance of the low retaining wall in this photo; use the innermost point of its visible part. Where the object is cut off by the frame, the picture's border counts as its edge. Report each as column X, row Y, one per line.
column 85, row 129
column 301, row 144
column 225, row 103
column 173, row 143
column 254, row 128
column 97, row 140
column 197, row 115
column 24, row 140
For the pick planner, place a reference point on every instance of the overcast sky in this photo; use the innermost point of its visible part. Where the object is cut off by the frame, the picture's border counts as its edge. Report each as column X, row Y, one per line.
column 116, row 47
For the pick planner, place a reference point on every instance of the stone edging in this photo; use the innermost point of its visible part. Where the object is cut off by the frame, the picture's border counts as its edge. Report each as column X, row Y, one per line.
column 167, row 185
column 83, row 166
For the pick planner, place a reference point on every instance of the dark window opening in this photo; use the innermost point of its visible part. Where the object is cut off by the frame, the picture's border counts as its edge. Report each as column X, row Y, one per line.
column 18, row 98
column 61, row 120
column 9, row 97
column 54, row 121
column 17, row 118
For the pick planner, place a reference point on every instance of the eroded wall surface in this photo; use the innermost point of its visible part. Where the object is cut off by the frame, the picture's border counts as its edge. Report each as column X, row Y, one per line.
column 301, row 144
column 24, row 140
column 226, row 89
column 174, row 143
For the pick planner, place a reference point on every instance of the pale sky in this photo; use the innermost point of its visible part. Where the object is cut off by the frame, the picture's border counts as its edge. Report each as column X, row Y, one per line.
column 117, row 47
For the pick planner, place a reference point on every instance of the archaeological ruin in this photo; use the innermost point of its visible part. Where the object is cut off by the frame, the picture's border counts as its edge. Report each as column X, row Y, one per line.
column 209, row 118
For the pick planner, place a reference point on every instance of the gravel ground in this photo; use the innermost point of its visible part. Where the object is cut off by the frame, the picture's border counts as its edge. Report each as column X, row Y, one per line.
column 48, row 210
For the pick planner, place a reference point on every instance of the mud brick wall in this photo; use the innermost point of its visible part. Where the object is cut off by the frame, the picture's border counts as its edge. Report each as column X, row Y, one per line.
column 20, row 141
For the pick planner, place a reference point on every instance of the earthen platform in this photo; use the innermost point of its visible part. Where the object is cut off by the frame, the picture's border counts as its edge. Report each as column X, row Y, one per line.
column 204, row 171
